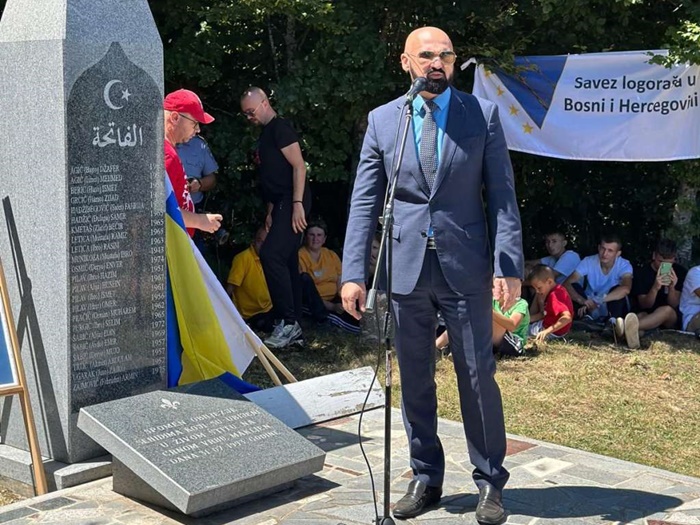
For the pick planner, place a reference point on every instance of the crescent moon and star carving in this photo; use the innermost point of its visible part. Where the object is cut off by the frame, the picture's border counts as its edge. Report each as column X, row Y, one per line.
column 107, row 98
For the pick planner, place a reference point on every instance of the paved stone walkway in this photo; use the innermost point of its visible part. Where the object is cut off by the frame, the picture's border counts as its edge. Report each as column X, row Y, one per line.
column 549, row 485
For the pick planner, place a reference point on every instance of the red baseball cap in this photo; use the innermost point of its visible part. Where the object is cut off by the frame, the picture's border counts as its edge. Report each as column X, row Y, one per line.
column 186, row 101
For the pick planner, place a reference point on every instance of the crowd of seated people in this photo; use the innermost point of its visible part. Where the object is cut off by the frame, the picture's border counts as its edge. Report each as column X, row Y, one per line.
column 602, row 288
column 320, row 270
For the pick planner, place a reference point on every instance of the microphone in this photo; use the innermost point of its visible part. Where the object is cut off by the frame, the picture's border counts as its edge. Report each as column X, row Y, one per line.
column 418, row 85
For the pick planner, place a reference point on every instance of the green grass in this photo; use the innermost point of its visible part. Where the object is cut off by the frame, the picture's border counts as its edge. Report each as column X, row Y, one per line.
column 642, row 406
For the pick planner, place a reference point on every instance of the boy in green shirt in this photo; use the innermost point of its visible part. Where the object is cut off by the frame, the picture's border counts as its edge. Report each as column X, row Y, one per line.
column 510, row 328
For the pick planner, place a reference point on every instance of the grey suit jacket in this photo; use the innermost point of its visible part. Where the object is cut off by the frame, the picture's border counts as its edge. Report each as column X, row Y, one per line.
column 472, row 207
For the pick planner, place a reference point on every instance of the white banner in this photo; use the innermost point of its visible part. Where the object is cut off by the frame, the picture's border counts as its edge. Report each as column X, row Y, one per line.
column 597, row 106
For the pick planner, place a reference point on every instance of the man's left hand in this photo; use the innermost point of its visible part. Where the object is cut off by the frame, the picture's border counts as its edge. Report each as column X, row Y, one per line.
column 194, row 185
column 298, row 217
column 506, row 290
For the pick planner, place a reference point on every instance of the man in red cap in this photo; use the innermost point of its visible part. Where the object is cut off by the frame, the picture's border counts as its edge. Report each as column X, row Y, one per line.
column 183, row 115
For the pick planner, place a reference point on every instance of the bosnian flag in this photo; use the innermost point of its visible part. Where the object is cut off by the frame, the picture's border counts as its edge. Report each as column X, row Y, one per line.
column 206, row 336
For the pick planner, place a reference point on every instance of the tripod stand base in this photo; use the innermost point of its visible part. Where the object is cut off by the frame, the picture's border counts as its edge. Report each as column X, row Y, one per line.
column 386, row 521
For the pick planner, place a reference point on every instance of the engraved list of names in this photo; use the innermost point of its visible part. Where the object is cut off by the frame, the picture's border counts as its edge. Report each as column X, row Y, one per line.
column 116, row 233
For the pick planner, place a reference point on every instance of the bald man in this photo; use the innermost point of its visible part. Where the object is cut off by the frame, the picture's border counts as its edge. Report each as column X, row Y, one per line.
column 445, row 244
column 284, row 189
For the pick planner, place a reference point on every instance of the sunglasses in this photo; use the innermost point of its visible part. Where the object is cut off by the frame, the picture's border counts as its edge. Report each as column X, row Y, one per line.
column 251, row 112
column 446, row 57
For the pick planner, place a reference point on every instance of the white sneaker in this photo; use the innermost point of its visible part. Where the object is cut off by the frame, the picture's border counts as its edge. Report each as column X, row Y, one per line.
column 618, row 327
column 284, row 335
column 632, row 331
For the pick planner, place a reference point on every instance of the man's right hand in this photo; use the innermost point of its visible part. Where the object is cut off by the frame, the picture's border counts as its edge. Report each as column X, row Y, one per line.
column 352, row 293
column 268, row 222
column 209, row 222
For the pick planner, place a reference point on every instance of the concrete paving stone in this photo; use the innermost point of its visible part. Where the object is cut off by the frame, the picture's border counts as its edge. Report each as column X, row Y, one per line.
column 76, row 516
column 450, row 429
column 563, row 479
column 546, row 467
column 248, row 520
column 349, row 466
column 602, row 477
column 442, row 513
column 353, row 453
column 690, row 505
column 457, row 466
column 561, row 521
column 347, row 470
column 682, row 518
column 362, row 513
column 517, row 519
column 520, row 476
column 647, row 482
column 649, row 502
column 528, row 456
column 683, row 491
column 657, row 517
column 540, row 498
column 16, row 514
column 351, row 497
column 136, row 519
column 459, row 481
column 446, row 520
column 319, row 505
column 51, row 504
column 623, row 468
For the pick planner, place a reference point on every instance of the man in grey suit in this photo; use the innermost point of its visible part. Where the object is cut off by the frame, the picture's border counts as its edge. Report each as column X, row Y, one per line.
column 456, row 158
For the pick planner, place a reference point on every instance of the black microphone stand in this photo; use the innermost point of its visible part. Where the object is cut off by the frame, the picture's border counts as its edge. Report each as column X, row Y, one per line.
column 385, row 246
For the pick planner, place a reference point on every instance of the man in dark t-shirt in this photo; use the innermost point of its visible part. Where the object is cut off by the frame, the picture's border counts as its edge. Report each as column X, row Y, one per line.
column 283, row 183
column 656, row 293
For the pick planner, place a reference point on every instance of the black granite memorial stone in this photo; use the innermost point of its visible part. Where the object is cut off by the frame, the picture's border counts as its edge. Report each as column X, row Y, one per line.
column 198, row 448
column 117, row 243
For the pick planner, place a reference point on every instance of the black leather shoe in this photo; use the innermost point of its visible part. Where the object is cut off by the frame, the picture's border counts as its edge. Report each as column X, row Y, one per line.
column 419, row 497
column 490, row 510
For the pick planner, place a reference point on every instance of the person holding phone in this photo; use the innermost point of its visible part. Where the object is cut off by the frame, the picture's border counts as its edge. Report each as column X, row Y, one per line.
column 656, row 292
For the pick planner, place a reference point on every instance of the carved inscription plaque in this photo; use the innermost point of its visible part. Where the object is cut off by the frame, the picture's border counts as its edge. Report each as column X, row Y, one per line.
column 117, row 240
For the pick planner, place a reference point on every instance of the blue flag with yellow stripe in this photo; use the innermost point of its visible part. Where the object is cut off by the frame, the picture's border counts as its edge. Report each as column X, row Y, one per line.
column 206, row 336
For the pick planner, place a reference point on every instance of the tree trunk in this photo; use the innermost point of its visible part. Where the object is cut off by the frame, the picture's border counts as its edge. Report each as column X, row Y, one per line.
column 682, row 215
column 273, row 50
column 291, row 43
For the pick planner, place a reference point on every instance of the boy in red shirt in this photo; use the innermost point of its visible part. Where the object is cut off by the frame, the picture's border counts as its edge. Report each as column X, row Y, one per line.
column 553, row 309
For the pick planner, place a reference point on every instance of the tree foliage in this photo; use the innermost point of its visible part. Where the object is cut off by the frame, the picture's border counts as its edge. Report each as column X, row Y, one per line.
column 325, row 64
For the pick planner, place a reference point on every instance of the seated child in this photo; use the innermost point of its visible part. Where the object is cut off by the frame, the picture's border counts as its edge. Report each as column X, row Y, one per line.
column 509, row 329
column 247, row 287
column 554, row 310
